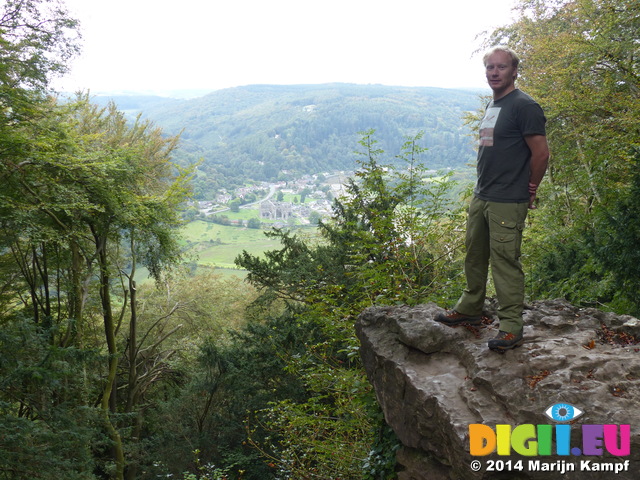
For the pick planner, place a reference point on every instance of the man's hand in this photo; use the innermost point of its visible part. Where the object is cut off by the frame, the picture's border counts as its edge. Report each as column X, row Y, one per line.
column 533, row 188
column 539, row 162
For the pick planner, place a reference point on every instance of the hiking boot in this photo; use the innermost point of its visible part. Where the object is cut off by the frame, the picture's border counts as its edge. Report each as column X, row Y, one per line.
column 505, row 341
column 453, row 319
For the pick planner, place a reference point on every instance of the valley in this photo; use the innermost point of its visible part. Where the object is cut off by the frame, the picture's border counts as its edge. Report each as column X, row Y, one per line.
column 278, row 155
column 218, row 230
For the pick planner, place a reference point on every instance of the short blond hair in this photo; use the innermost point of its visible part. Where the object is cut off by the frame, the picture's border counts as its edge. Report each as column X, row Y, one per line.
column 515, row 60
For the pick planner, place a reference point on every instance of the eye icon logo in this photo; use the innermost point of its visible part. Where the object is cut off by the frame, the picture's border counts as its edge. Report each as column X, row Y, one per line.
column 563, row 412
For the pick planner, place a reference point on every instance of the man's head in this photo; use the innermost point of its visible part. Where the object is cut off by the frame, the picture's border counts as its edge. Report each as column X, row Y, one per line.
column 515, row 60
column 501, row 65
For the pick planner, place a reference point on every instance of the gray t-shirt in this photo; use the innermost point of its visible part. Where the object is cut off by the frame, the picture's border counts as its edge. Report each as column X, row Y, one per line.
column 504, row 156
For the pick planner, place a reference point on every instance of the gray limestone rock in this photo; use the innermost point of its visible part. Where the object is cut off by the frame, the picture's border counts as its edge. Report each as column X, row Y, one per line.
column 434, row 381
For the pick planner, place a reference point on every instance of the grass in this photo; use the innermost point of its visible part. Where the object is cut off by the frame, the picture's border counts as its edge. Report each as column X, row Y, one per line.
column 243, row 214
column 218, row 245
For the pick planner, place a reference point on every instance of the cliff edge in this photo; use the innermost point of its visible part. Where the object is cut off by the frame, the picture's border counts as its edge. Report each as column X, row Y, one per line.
column 434, row 382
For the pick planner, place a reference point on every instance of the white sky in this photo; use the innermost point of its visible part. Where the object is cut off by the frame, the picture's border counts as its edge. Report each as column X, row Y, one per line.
column 159, row 45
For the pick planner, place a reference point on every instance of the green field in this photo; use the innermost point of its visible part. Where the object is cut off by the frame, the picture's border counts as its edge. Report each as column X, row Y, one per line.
column 215, row 245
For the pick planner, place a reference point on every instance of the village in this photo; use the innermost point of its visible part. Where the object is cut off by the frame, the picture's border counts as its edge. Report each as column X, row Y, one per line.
column 296, row 202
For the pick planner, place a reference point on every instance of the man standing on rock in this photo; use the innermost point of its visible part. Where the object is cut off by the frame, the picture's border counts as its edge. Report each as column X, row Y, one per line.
column 512, row 159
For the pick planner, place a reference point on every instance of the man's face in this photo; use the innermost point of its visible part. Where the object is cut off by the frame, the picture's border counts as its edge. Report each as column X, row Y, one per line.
column 501, row 74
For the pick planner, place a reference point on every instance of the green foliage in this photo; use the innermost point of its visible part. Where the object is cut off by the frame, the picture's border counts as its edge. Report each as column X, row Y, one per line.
column 392, row 238
column 227, row 384
column 614, row 245
column 37, row 39
column 568, row 270
column 207, row 471
column 48, row 422
column 314, row 218
column 253, row 223
column 86, row 202
column 234, row 205
column 399, row 227
column 326, row 435
column 381, row 461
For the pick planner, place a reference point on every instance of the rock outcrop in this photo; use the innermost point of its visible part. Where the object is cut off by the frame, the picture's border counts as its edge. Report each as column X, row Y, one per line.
column 434, row 381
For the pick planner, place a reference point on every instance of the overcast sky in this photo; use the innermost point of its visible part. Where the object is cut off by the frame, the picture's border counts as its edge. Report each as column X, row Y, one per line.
column 156, row 45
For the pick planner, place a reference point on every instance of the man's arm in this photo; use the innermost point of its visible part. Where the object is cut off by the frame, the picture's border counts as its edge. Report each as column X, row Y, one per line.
column 539, row 162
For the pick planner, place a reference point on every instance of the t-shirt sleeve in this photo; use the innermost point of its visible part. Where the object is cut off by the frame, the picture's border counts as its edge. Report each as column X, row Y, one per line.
column 531, row 119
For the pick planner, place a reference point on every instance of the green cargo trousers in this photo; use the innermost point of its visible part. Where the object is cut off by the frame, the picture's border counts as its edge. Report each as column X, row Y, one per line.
column 494, row 237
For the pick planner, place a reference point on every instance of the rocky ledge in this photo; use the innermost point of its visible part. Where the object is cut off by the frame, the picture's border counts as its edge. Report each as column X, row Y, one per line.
column 433, row 382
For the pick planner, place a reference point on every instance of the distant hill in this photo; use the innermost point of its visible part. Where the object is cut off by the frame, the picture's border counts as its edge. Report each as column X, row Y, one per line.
column 270, row 132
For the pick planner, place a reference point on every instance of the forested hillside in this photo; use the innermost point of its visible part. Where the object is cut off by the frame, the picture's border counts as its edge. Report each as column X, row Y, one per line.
column 271, row 132
column 195, row 377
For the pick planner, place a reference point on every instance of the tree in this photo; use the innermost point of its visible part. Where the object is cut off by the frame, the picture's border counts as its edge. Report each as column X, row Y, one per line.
column 37, row 39
column 253, row 223
column 306, row 191
column 392, row 238
column 314, row 217
column 383, row 228
column 614, row 244
column 227, row 363
column 95, row 197
column 44, row 406
column 234, row 205
column 134, row 195
column 178, row 320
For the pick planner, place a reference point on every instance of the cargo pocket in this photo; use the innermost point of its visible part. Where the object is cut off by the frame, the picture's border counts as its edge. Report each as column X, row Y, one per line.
column 506, row 236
